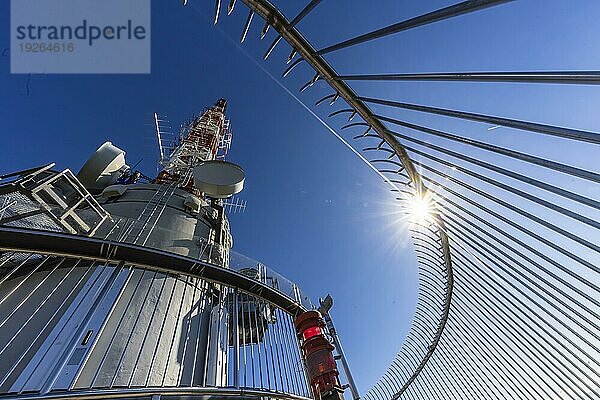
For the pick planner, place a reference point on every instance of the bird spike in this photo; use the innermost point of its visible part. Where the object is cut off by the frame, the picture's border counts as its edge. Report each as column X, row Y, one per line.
column 217, row 10
column 272, row 47
column 265, row 29
column 340, row 111
column 247, row 26
column 354, row 124
column 310, row 83
column 230, row 7
column 291, row 67
column 337, row 96
column 322, row 99
column 291, row 56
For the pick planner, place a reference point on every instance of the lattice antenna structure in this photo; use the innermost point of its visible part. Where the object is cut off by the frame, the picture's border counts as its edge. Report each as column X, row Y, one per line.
column 224, row 141
column 200, row 140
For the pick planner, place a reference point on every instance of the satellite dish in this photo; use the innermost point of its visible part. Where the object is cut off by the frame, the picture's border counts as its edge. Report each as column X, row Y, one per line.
column 219, row 179
column 103, row 168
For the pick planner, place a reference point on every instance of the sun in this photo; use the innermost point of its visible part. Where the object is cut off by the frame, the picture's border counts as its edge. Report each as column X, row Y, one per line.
column 420, row 208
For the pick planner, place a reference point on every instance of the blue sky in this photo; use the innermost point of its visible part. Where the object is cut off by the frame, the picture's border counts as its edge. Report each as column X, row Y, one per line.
column 315, row 212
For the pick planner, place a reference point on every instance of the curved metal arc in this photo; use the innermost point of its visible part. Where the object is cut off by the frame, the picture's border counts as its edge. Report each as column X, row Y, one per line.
column 503, row 171
column 423, row 241
column 308, row 53
column 521, row 278
column 489, row 330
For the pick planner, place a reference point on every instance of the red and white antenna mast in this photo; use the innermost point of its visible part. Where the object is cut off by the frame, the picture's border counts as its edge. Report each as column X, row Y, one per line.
column 205, row 138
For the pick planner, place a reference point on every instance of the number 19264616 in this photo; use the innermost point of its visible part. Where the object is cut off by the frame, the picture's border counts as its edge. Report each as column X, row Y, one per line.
column 37, row 47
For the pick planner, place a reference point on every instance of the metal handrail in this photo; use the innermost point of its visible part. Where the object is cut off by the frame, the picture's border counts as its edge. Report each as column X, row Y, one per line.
column 45, row 242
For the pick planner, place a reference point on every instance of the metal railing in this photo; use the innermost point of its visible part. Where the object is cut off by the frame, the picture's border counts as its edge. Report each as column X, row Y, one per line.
column 212, row 253
column 86, row 317
column 46, row 199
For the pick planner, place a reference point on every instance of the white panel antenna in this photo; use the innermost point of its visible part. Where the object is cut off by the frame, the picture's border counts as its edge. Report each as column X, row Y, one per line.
column 163, row 133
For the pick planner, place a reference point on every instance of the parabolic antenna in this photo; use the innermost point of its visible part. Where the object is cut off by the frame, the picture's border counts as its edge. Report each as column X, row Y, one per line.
column 219, row 179
column 103, row 168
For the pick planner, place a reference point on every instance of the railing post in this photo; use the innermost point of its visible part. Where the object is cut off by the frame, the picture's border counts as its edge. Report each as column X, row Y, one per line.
column 236, row 340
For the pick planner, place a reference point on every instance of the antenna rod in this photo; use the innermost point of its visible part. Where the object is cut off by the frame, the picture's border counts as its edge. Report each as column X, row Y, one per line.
column 160, row 148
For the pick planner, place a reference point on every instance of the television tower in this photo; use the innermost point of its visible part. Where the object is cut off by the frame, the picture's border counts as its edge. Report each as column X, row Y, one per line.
column 114, row 284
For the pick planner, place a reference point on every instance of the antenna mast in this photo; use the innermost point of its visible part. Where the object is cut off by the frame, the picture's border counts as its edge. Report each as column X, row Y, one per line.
column 202, row 140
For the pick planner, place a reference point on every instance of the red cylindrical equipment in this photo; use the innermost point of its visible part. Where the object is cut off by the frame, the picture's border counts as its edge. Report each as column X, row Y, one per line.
column 318, row 356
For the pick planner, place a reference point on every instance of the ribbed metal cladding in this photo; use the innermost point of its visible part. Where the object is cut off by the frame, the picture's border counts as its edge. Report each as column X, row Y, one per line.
column 70, row 325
